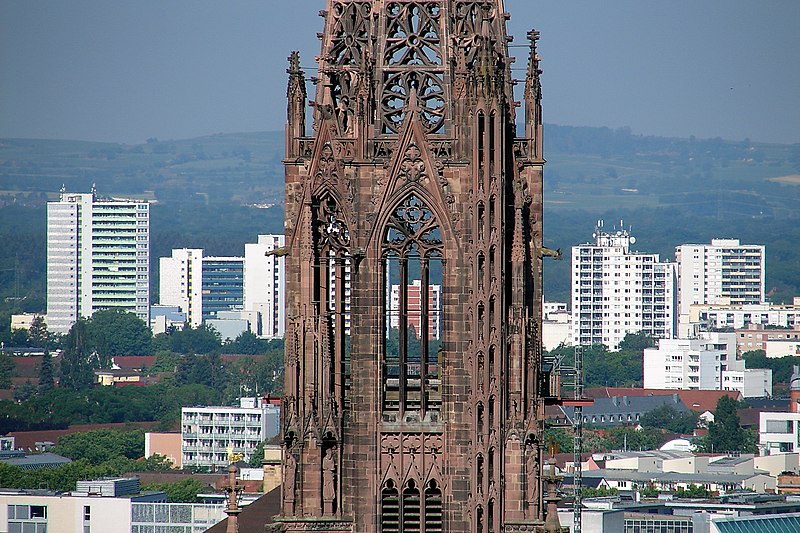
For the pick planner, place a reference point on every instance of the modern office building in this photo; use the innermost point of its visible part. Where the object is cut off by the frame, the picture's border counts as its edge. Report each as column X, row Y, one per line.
column 722, row 273
column 201, row 286
column 209, row 433
column 616, row 291
column 223, row 285
column 264, row 285
column 98, row 257
column 210, row 288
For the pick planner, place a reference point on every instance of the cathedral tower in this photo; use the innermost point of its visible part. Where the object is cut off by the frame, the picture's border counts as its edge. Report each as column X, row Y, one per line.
column 414, row 390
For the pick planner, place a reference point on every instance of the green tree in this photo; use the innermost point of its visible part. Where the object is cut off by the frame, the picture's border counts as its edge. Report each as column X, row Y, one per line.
column 101, row 445
column 724, row 433
column 649, row 491
column 247, row 344
column 115, row 332
column 25, row 391
column 203, row 339
column 258, row 456
column 46, row 373
column 669, row 418
column 78, row 361
column 693, row 491
column 38, row 336
column 632, row 439
column 7, row 368
column 636, row 342
column 600, row 492
column 183, row 491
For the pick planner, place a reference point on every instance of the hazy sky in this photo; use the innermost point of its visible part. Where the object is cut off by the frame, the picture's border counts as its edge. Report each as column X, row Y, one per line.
column 128, row 70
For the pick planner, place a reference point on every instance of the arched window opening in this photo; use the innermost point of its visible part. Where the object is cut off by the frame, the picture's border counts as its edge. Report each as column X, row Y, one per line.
column 492, row 262
column 491, row 312
column 490, row 514
column 479, row 519
column 481, row 147
column 492, row 143
column 390, row 509
column 480, row 415
column 481, row 274
column 490, row 467
column 331, row 298
column 481, row 368
column 479, row 472
column 411, row 511
column 481, row 320
column 490, row 408
column 491, row 362
column 433, row 508
column 412, row 280
column 481, row 221
column 492, row 213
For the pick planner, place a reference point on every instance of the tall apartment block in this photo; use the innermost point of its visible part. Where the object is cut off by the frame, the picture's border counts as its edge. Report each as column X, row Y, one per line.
column 616, row 291
column 414, row 296
column 207, row 288
column 98, row 257
column 724, row 272
column 264, row 284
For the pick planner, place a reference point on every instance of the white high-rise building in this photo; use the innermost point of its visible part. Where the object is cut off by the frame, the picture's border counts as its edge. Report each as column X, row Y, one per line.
column 98, row 257
column 209, row 288
column 616, row 291
column 265, row 284
column 180, row 283
column 724, row 272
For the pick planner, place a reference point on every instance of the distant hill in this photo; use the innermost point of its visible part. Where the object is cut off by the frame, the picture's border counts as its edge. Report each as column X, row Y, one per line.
column 670, row 190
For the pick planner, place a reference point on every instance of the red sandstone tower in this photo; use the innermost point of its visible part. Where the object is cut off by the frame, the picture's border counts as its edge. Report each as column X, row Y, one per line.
column 413, row 171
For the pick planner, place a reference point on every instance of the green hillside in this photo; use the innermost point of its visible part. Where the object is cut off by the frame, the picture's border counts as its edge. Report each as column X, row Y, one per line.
column 671, row 191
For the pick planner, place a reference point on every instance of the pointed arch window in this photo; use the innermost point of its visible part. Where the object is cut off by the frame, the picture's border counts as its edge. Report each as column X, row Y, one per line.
column 332, row 266
column 413, row 511
column 412, row 277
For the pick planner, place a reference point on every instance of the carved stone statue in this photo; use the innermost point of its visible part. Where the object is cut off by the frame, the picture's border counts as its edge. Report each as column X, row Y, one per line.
column 328, row 481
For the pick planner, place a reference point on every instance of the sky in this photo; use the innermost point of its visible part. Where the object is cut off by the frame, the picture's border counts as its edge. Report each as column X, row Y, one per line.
column 126, row 71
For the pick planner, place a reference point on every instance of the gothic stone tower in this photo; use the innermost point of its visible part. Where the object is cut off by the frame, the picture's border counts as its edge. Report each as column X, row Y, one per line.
column 414, row 394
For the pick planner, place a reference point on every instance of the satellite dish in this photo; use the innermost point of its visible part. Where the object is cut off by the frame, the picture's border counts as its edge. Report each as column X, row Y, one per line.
column 594, row 235
column 633, row 240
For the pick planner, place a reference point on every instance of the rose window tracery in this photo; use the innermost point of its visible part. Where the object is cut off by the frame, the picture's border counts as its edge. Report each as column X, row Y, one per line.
column 351, row 32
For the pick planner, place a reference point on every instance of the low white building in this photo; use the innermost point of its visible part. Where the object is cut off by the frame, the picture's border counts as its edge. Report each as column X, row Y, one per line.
column 779, row 433
column 702, row 317
column 705, row 363
column 556, row 325
column 208, row 434
column 108, row 509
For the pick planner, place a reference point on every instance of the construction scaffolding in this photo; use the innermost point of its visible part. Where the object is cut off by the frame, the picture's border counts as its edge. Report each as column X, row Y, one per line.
column 569, row 387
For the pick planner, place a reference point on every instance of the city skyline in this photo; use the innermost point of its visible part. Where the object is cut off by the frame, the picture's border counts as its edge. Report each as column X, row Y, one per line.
column 124, row 73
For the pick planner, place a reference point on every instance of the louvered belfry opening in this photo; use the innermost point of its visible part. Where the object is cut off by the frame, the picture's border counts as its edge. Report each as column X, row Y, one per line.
column 413, row 292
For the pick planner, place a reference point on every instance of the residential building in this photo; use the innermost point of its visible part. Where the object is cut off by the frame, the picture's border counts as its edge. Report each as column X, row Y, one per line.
column 556, row 325
column 621, row 410
column 705, row 317
column 414, row 295
column 209, row 433
column 98, row 257
column 779, row 433
column 725, row 272
column 264, row 285
column 180, row 283
column 616, row 291
column 223, row 285
column 705, row 363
